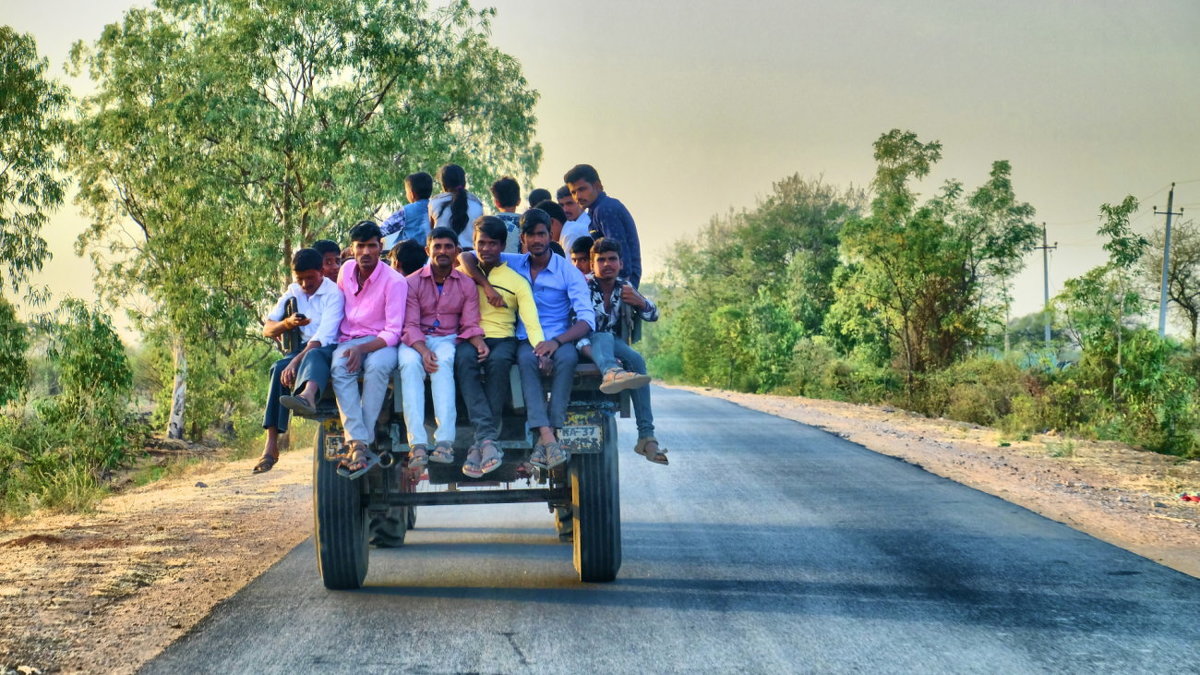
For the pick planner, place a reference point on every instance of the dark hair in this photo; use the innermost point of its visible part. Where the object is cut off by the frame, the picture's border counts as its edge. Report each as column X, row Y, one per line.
column 306, row 259
column 492, row 227
column 583, row 172
column 538, row 195
column 454, row 179
column 582, row 245
column 365, row 230
column 409, row 255
column 557, row 248
column 325, row 246
column 563, row 192
column 532, row 218
column 443, row 233
column 606, row 245
column 507, row 192
column 556, row 212
column 421, row 184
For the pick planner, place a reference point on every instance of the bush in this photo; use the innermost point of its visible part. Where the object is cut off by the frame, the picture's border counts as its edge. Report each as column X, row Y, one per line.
column 14, row 370
column 978, row 390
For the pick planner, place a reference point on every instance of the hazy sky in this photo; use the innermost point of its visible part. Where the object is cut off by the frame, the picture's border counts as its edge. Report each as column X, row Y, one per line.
column 689, row 108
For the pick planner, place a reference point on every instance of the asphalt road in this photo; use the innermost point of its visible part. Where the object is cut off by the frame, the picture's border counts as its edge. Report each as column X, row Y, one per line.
column 766, row 546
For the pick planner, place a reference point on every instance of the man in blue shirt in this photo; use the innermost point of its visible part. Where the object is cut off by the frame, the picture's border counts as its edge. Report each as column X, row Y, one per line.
column 412, row 221
column 558, row 290
column 610, row 218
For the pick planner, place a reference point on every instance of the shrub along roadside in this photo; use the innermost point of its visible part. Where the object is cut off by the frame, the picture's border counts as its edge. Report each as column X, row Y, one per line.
column 54, row 451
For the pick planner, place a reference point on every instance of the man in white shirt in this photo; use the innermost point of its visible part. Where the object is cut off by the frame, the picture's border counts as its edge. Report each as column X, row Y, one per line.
column 317, row 313
column 578, row 222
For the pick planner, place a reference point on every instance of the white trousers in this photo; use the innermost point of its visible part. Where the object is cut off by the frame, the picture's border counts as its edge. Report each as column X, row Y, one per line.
column 441, row 382
column 360, row 411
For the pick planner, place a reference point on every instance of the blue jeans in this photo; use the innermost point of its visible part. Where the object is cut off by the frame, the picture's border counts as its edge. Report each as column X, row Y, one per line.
column 314, row 367
column 563, row 375
column 608, row 352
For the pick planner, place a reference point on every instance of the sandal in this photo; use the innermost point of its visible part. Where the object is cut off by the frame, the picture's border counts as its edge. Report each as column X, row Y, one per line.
column 443, row 453
column 417, row 458
column 654, row 454
column 470, row 467
column 538, row 456
column 492, row 457
column 360, row 461
column 555, row 455
column 265, row 463
column 298, row 405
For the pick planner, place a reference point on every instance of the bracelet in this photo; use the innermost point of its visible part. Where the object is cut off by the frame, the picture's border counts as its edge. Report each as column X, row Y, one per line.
column 555, row 341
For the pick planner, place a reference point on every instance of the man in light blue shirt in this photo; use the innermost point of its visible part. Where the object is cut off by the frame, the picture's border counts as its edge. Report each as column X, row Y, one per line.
column 558, row 290
column 412, row 221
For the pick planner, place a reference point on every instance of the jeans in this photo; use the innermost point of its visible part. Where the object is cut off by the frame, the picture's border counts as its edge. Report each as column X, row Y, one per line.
column 484, row 386
column 607, row 350
column 563, row 375
column 315, row 368
column 360, row 412
column 276, row 415
column 441, row 382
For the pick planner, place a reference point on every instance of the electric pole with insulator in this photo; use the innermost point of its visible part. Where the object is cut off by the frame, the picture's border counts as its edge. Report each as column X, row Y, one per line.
column 1046, row 281
column 1162, row 302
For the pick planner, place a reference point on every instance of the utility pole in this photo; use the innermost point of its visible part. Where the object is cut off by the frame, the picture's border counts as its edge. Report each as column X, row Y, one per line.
column 1046, row 280
column 1162, row 302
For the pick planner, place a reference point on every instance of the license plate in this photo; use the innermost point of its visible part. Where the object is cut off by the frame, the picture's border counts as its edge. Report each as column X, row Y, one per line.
column 333, row 439
column 581, row 433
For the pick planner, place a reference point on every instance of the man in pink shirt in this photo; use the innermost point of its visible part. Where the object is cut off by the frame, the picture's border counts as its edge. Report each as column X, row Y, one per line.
column 443, row 310
column 374, row 319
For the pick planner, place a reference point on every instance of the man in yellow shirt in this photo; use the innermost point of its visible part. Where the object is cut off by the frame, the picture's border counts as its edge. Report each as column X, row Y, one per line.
column 484, row 384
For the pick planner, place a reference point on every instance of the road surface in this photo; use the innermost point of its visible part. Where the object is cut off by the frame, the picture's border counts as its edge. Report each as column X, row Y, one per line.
column 766, row 546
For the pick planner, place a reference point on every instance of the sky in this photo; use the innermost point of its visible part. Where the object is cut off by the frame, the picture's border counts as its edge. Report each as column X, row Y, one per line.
column 689, row 108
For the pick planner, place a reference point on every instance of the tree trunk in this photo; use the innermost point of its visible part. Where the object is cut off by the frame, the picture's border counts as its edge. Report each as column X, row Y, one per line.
column 179, row 392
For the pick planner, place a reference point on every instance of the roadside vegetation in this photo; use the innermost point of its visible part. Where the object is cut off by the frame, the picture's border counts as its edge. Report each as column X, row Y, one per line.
column 828, row 293
column 218, row 138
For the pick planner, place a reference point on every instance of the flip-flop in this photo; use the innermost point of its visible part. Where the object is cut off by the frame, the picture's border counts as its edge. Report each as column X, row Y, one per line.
column 538, row 456
column 491, row 459
column 658, row 456
column 265, row 463
column 370, row 459
column 417, row 457
column 297, row 405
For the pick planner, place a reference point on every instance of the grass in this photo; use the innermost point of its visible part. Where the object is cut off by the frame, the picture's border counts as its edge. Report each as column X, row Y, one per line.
column 1063, row 448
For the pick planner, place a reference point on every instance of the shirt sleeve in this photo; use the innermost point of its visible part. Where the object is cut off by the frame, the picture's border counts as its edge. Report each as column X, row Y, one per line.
column 276, row 314
column 331, row 317
column 395, row 305
column 468, row 325
column 580, row 296
column 394, row 222
column 527, row 310
column 412, row 321
column 631, row 252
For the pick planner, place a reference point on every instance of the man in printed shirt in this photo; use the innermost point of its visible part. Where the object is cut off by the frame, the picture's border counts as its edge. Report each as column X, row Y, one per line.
column 484, row 383
column 412, row 220
column 318, row 313
column 558, row 289
column 374, row 319
column 615, row 300
column 443, row 310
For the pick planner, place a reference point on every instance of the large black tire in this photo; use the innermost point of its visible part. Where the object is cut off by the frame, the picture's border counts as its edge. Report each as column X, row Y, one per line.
column 596, row 507
column 340, row 523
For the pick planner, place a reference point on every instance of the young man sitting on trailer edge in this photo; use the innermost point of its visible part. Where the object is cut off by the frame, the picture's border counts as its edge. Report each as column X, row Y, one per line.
column 616, row 302
column 484, row 382
column 374, row 320
column 558, row 289
column 442, row 311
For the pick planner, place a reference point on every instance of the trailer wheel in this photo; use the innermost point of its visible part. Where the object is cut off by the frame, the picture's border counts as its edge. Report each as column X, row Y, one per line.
column 388, row 529
column 340, row 522
column 596, row 509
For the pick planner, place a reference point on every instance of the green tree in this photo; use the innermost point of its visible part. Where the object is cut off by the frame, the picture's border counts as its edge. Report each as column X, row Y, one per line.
column 14, row 369
column 225, row 134
column 31, row 133
column 1183, row 273
column 932, row 276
